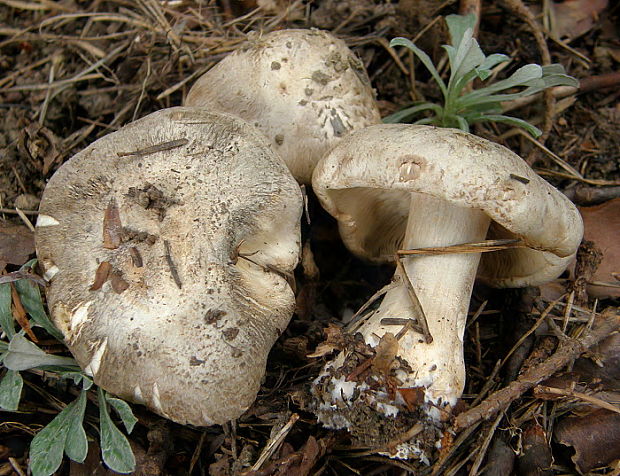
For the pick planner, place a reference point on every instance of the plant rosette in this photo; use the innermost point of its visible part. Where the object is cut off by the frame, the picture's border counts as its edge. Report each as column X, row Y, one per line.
column 463, row 107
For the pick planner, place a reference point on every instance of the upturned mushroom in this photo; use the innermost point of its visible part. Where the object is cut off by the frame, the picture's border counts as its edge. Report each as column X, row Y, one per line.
column 407, row 187
column 304, row 89
column 169, row 245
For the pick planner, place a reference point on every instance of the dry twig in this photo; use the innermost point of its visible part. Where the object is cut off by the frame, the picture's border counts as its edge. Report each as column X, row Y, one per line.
column 565, row 354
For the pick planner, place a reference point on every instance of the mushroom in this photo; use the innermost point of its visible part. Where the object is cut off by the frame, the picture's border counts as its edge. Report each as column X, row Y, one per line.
column 169, row 245
column 404, row 186
column 304, row 89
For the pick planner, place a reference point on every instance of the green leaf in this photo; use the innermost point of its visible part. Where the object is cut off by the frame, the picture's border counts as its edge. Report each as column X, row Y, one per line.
column 49, row 444
column 115, row 448
column 490, row 62
column 7, row 324
column 554, row 68
column 468, row 56
column 11, row 390
column 513, row 121
column 428, row 120
column 520, row 77
column 124, row 411
column 24, row 354
column 463, row 124
column 553, row 80
column 458, row 25
column 468, row 62
column 406, row 114
column 76, row 445
column 31, row 299
column 424, row 58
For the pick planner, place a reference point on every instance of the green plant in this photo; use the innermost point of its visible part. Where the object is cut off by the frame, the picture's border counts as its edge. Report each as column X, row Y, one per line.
column 462, row 107
column 65, row 434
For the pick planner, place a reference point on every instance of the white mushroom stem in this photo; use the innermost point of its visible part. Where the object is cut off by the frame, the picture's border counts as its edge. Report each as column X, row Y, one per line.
column 443, row 285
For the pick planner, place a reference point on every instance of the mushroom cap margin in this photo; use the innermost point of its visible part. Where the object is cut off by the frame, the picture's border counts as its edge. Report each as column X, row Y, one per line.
column 194, row 353
column 387, row 163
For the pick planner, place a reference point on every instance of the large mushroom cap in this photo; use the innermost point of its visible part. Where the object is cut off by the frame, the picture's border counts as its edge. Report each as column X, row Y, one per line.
column 168, row 244
column 304, row 89
column 366, row 182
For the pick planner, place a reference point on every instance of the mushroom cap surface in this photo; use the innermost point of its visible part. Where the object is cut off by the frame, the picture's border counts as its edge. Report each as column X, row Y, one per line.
column 368, row 180
column 304, row 89
column 198, row 221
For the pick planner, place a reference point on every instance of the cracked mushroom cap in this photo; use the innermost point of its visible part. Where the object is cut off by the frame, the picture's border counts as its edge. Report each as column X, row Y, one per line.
column 168, row 245
column 304, row 89
column 368, row 180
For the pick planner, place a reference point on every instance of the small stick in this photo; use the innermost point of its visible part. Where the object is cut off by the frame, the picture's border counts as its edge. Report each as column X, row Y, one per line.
column 477, row 247
column 417, row 306
column 574, row 174
column 197, row 452
column 275, row 442
column 565, row 353
column 404, row 437
column 357, row 316
column 13, row 211
column 16, row 467
column 482, row 451
column 541, row 390
column 173, row 144
column 584, row 195
column 467, row 7
column 25, row 219
column 536, row 325
column 399, row 321
column 171, row 265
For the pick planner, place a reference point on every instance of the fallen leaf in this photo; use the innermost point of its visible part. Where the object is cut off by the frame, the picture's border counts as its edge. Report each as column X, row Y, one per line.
column 386, row 349
column 595, row 438
column 322, row 350
column 535, row 458
column 602, row 226
column 334, row 340
column 41, row 145
column 573, row 18
column 597, row 375
column 16, row 244
column 413, row 397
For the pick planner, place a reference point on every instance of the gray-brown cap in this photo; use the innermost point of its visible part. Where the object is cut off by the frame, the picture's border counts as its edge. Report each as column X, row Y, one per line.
column 304, row 89
column 368, row 180
column 168, row 245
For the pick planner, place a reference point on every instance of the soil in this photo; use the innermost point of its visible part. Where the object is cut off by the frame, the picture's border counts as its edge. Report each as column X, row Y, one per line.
column 72, row 71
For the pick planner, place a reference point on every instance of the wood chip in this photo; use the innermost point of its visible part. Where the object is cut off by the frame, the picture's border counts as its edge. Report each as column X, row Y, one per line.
column 112, row 226
column 101, row 275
